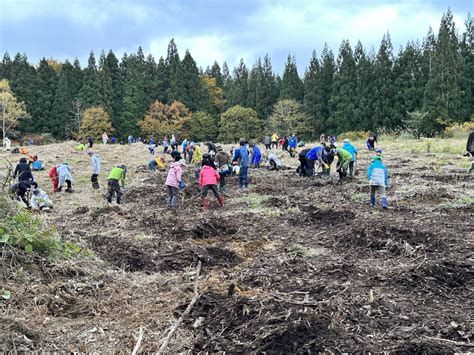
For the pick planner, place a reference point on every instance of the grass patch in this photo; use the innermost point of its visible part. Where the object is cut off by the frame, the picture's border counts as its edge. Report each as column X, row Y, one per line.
column 460, row 202
column 253, row 200
column 358, row 197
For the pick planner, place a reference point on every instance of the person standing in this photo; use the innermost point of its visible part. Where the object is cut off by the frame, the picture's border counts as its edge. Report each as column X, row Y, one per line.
column 105, row 137
column 95, row 165
column 256, row 156
column 90, row 142
column 166, row 145
column 267, row 141
column 292, row 144
column 470, row 149
column 378, row 180
column 275, row 140
column 7, row 143
column 174, row 180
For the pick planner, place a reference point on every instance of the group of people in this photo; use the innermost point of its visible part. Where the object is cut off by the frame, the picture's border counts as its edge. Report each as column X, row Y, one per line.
column 286, row 143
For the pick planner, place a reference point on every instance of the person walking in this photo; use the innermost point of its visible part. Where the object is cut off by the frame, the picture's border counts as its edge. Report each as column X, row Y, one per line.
column 378, row 181
column 95, row 165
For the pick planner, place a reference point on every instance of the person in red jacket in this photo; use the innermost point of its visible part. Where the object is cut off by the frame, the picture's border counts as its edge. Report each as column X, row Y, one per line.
column 53, row 175
column 208, row 179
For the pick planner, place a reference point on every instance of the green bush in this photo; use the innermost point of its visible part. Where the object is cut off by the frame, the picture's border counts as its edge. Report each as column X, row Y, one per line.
column 20, row 228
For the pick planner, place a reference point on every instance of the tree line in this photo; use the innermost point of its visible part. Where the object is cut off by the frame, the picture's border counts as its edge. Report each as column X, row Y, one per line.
column 426, row 86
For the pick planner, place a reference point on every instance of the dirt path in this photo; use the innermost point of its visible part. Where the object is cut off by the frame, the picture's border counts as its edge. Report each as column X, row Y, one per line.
column 296, row 265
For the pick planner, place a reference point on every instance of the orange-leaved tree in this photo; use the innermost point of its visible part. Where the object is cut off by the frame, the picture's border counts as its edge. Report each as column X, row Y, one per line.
column 94, row 121
column 165, row 120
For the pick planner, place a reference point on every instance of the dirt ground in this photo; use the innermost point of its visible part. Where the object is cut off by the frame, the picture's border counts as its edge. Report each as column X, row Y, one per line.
column 297, row 265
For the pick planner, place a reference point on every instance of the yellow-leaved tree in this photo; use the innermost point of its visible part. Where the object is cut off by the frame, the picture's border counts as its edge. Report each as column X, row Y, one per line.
column 165, row 120
column 95, row 120
column 12, row 110
column 215, row 94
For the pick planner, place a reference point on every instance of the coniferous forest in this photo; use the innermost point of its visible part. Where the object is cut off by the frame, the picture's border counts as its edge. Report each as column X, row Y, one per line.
column 425, row 86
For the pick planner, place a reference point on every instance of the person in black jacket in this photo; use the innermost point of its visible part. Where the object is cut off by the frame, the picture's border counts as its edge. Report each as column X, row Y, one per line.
column 23, row 171
column 470, row 143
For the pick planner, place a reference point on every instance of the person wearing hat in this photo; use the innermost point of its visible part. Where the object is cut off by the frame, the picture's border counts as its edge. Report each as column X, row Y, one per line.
column 378, row 180
column 64, row 176
column 95, row 165
column 39, row 199
column 222, row 163
column 116, row 175
column 174, row 179
column 347, row 145
column 208, row 179
column 241, row 157
column 344, row 159
column 378, row 152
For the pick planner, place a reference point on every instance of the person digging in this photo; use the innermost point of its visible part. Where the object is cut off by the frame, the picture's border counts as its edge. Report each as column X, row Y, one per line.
column 208, row 179
column 116, row 175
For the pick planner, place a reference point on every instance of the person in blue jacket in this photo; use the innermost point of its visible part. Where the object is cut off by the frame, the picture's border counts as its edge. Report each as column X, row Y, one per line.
column 256, row 155
column 241, row 157
column 313, row 155
column 378, row 180
column 292, row 144
column 347, row 145
column 151, row 146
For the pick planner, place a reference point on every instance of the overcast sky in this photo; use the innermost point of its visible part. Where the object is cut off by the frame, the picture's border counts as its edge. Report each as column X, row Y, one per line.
column 222, row 30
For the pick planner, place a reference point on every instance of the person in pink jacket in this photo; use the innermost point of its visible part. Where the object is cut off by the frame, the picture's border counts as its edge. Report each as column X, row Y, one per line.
column 208, row 179
column 174, row 180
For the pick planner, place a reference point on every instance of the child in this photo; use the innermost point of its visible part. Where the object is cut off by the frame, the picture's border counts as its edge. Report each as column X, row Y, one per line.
column 151, row 146
column 53, row 175
column 208, row 179
column 39, row 199
column 174, row 180
column 64, row 175
column 378, row 180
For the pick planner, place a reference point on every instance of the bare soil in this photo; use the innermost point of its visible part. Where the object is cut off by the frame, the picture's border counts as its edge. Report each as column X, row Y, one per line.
column 297, row 265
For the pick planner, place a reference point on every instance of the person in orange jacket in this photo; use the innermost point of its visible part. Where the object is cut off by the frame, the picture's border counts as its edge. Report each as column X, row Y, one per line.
column 53, row 175
column 208, row 179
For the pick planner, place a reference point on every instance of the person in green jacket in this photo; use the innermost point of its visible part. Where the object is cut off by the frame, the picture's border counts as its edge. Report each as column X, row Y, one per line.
column 117, row 174
column 344, row 158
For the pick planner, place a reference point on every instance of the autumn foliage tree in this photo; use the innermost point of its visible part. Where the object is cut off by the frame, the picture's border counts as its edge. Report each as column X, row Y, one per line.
column 165, row 120
column 94, row 121
column 12, row 110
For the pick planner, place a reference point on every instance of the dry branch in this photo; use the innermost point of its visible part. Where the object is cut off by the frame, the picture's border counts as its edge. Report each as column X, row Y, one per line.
column 185, row 313
column 139, row 342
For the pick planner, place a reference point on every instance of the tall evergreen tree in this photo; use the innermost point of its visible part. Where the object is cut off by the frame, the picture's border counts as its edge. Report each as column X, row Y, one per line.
column 46, row 84
column 384, row 84
column 365, row 89
column 312, row 101
column 442, row 95
column 163, row 85
column 328, row 69
column 22, row 78
column 173, row 63
column 192, row 91
column 343, row 99
column 67, row 90
column 291, row 84
column 106, row 87
column 90, row 93
column 111, row 69
column 467, row 75
column 5, row 66
column 215, row 72
column 237, row 87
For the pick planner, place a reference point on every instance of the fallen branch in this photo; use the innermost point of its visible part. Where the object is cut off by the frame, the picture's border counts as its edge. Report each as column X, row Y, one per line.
column 458, row 343
column 139, row 342
column 185, row 313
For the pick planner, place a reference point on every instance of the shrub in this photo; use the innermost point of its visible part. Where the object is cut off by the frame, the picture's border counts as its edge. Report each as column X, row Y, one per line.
column 20, row 228
column 459, row 130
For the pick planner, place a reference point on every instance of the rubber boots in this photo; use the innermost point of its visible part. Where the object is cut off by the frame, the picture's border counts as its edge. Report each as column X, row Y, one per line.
column 221, row 200
column 384, row 203
column 205, row 203
column 372, row 202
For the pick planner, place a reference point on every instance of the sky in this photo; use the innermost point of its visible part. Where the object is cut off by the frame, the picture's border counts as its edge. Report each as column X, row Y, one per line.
column 222, row 30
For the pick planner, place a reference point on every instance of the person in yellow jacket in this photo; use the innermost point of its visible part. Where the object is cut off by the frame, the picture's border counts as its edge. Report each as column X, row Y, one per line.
column 344, row 159
column 156, row 162
column 275, row 138
column 197, row 160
